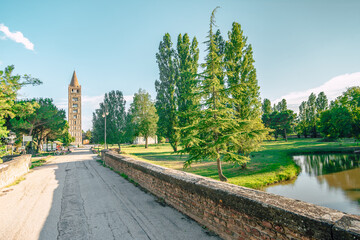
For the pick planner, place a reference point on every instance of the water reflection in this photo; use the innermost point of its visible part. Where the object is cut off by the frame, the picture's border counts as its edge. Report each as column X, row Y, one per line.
column 327, row 180
column 316, row 165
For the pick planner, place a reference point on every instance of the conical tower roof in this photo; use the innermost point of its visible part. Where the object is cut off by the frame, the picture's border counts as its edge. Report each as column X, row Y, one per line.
column 74, row 81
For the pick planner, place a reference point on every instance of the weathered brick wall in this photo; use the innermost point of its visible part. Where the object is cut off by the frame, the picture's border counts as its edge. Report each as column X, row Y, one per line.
column 236, row 212
column 11, row 170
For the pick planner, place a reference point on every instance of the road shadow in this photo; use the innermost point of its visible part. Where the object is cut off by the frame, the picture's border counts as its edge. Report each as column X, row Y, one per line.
column 94, row 202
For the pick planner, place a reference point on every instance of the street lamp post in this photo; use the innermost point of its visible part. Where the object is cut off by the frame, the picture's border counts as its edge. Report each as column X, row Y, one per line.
column 104, row 116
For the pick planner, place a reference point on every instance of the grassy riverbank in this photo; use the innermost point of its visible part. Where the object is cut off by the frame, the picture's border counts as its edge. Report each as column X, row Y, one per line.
column 273, row 163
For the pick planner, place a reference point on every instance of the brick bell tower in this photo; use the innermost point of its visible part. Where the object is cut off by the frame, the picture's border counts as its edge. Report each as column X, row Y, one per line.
column 74, row 113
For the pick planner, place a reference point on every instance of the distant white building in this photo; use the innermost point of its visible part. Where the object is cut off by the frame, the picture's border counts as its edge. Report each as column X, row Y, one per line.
column 141, row 140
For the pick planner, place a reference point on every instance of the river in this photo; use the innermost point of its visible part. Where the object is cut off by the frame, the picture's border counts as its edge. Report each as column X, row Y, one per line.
column 329, row 180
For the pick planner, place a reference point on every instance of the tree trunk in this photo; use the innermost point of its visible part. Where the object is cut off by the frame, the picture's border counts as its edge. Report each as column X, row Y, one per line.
column 119, row 147
column 146, row 142
column 41, row 145
column 221, row 175
column 285, row 135
column 174, row 145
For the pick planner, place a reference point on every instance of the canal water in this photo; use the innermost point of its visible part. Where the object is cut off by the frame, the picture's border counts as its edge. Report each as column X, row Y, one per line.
column 327, row 180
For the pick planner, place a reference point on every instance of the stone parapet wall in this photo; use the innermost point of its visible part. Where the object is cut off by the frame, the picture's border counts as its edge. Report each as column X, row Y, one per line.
column 11, row 170
column 235, row 212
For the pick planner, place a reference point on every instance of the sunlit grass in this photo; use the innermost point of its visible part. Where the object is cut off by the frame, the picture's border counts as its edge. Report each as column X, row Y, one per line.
column 271, row 164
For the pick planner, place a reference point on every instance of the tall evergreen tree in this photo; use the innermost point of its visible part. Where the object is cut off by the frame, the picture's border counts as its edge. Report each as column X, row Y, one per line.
column 218, row 133
column 241, row 75
column 187, row 83
column 166, row 102
column 242, row 85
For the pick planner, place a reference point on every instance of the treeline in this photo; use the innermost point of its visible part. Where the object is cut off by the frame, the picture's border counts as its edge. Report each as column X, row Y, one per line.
column 124, row 126
column 38, row 118
column 212, row 110
column 316, row 118
column 214, row 114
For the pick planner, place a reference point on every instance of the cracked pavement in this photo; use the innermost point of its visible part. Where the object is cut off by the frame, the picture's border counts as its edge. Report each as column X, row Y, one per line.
column 74, row 197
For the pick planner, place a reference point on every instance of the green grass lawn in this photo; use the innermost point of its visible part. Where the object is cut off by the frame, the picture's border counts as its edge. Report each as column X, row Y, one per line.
column 273, row 163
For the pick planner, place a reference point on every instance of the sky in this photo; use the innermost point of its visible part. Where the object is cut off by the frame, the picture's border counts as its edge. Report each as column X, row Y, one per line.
column 299, row 46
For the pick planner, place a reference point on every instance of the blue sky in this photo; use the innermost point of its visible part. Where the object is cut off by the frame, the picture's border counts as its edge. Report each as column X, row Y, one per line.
column 299, row 46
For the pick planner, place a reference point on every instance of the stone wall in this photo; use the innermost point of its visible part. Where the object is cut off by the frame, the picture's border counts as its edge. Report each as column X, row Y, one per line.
column 235, row 212
column 11, row 170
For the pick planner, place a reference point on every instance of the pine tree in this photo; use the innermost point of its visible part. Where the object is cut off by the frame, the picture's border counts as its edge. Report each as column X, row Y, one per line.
column 166, row 102
column 218, row 134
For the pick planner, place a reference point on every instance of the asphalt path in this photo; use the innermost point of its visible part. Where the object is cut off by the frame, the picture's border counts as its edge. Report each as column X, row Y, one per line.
column 74, row 197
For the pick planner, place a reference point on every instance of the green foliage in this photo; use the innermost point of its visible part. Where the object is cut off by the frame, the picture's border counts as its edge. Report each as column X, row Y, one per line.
column 335, row 123
column 166, row 102
column 45, row 123
column 66, row 137
column 281, row 106
column 187, row 84
column 9, row 86
column 321, row 103
column 266, row 106
column 343, row 117
column 282, row 122
column 144, row 115
column 114, row 105
column 272, row 163
column 309, row 114
column 129, row 128
column 227, row 126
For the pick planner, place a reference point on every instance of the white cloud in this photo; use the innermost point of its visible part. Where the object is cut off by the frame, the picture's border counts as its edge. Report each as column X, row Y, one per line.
column 332, row 89
column 16, row 36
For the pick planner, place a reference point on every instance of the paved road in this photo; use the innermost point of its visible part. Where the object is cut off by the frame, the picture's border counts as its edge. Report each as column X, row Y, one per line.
column 74, row 197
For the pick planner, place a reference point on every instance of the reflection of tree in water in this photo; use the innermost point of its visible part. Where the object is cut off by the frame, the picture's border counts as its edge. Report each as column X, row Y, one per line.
column 316, row 165
column 347, row 180
column 337, row 170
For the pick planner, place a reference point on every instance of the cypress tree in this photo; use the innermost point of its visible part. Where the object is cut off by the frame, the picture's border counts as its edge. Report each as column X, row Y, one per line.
column 187, row 83
column 243, row 87
column 166, row 103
